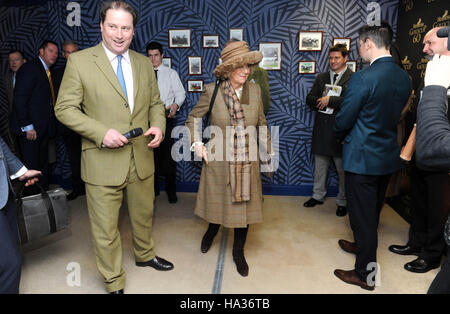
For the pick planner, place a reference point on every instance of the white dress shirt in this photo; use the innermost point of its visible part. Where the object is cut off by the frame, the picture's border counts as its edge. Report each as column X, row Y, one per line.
column 127, row 73
column 171, row 89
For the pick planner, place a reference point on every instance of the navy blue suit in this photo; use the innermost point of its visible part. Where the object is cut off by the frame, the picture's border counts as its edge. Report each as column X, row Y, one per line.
column 33, row 104
column 368, row 122
column 10, row 260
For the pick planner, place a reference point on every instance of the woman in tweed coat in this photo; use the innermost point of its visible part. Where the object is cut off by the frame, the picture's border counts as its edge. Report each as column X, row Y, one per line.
column 230, row 192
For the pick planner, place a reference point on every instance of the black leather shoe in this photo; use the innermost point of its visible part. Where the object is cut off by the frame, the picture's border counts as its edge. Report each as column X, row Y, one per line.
column 172, row 197
column 74, row 194
column 157, row 263
column 312, row 202
column 341, row 211
column 117, row 292
column 404, row 250
column 420, row 265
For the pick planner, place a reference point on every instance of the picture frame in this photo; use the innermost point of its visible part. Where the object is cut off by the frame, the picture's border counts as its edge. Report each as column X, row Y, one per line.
column 343, row 40
column 167, row 61
column 307, row 67
column 195, row 86
column 310, row 40
column 272, row 53
column 195, row 65
column 179, row 38
column 210, row 41
column 352, row 65
column 237, row 33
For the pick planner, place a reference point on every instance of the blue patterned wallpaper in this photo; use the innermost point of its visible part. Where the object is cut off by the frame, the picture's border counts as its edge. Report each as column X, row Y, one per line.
column 24, row 26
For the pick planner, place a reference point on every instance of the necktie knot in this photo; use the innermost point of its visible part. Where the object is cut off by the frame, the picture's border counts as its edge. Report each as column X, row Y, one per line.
column 334, row 78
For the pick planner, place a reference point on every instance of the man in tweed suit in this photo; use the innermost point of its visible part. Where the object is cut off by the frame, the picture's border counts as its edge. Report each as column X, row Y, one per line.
column 106, row 91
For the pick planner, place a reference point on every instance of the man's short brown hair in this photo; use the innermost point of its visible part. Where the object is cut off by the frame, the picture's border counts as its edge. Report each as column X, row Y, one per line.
column 340, row 47
column 116, row 5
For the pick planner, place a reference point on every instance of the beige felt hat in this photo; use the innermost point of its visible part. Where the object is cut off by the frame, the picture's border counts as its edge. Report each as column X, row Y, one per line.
column 234, row 55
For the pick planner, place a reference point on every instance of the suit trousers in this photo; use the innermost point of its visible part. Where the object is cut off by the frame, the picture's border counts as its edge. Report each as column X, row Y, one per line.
column 10, row 259
column 35, row 156
column 365, row 197
column 441, row 283
column 72, row 141
column 104, row 203
column 164, row 163
column 430, row 193
column 322, row 164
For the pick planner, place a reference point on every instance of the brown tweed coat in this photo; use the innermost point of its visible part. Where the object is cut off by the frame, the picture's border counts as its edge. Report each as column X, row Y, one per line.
column 214, row 194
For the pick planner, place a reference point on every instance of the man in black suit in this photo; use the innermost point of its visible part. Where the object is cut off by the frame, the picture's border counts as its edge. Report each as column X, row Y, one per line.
column 72, row 140
column 10, row 261
column 325, row 147
column 33, row 117
column 16, row 60
column 429, row 191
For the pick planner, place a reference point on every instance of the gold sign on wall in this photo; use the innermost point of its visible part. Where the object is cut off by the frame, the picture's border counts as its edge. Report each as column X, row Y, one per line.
column 443, row 20
column 407, row 65
column 422, row 66
column 409, row 5
column 417, row 30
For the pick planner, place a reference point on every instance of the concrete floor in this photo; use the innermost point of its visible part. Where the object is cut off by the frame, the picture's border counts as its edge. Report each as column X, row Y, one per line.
column 294, row 251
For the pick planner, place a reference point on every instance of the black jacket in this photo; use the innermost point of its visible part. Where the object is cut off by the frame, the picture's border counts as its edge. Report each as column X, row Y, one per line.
column 323, row 139
column 33, row 100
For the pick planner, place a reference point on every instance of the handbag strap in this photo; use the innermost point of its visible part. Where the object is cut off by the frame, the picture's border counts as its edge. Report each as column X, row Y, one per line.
column 213, row 98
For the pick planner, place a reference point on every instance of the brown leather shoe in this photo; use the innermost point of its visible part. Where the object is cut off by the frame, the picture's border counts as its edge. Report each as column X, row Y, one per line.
column 350, row 277
column 347, row 246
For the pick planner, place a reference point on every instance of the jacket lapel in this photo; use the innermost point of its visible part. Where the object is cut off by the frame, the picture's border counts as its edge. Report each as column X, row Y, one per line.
column 102, row 62
column 345, row 77
column 136, row 72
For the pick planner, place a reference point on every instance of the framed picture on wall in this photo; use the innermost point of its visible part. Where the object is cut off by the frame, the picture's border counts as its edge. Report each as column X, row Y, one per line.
column 271, row 56
column 179, row 38
column 307, row 67
column 310, row 40
column 237, row 33
column 344, row 41
column 195, row 86
column 352, row 65
column 167, row 61
column 195, row 65
column 210, row 41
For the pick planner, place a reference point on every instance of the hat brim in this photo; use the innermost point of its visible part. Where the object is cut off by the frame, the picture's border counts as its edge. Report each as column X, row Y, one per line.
column 223, row 70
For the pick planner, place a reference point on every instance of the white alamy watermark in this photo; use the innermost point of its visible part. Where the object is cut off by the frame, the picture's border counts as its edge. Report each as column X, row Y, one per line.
column 73, row 279
column 374, row 278
column 373, row 14
column 255, row 138
column 74, row 17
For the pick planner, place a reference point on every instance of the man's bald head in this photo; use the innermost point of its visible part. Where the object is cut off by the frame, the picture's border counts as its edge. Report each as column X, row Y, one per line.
column 432, row 44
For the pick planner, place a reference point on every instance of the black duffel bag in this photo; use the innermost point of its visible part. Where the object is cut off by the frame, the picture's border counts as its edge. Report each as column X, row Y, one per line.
column 41, row 214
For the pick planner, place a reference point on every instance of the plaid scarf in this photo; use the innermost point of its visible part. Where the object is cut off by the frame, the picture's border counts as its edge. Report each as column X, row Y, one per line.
column 240, row 165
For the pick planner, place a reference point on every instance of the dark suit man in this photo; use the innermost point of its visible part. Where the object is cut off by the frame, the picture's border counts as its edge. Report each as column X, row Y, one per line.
column 367, row 122
column 72, row 140
column 16, row 60
column 325, row 146
column 10, row 261
column 429, row 186
column 433, row 144
column 33, row 116
column 106, row 91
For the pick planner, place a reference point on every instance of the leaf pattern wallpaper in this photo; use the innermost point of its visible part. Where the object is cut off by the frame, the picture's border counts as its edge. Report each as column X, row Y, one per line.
column 25, row 24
